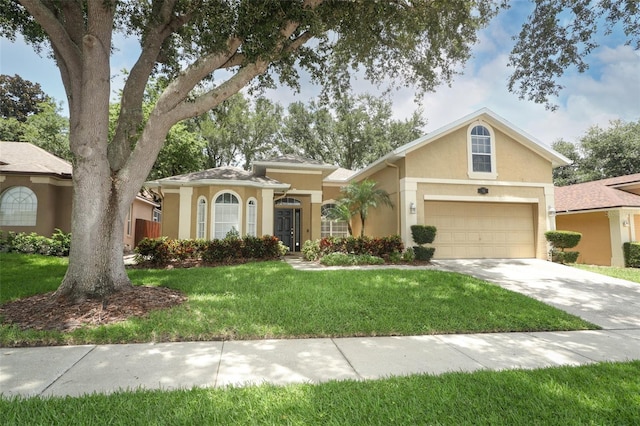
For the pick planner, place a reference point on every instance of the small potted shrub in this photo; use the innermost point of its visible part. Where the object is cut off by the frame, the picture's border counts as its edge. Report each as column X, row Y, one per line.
column 423, row 234
column 561, row 240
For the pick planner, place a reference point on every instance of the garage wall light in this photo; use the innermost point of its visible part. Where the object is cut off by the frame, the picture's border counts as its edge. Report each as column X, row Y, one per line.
column 412, row 207
column 552, row 211
column 482, row 190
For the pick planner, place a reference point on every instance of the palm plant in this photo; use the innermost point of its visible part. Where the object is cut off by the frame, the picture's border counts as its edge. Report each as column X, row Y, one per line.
column 341, row 212
column 361, row 196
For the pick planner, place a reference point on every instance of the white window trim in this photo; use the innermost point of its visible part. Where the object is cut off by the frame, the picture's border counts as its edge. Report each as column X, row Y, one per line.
column 255, row 216
column 212, row 230
column 204, row 218
column 481, row 175
column 332, row 222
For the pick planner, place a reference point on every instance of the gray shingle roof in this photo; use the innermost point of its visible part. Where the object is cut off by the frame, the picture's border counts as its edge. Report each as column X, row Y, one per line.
column 23, row 157
column 219, row 174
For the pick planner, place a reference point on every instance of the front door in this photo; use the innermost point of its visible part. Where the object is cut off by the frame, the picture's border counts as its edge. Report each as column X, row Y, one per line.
column 287, row 227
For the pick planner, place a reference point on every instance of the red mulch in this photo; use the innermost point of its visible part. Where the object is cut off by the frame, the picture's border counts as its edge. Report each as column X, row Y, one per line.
column 47, row 312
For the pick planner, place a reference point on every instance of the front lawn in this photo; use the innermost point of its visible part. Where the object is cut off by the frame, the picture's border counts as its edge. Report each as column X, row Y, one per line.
column 596, row 394
column 272, row 300
column 629, row 274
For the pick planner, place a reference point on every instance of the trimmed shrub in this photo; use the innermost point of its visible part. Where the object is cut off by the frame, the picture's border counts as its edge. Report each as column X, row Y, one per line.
column 162, row 251
column 564, row 256
column 423, row 253
column 423, row 234
column 563, row 239
column 379, row 247
column 631, row 254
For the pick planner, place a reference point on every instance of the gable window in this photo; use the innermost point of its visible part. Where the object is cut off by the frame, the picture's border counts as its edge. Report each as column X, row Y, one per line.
column 201, row 218
column 332, row 228
column 18, row 207
column 226, row 215
column 252, row 215
column 481, row 152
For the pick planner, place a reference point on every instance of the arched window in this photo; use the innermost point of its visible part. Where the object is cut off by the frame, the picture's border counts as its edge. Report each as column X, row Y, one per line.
column 331, row 227
column 226, row 215
column 18, row 207
column 481, row 148
column 201, row 219
column 252, row 217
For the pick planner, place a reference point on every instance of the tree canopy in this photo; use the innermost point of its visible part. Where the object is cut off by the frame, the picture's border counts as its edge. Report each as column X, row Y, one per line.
column 561, row 34
column 600, row 154
column 19, row 98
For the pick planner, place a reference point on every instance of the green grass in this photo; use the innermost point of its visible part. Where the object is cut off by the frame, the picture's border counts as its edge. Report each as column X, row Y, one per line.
column 629, row 274
column 605, row 393
column 272, row 300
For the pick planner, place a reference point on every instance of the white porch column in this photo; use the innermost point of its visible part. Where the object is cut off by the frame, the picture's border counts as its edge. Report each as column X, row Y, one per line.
column 184, row 217
column 619, row 235
column 267, row 212
column 408, row 195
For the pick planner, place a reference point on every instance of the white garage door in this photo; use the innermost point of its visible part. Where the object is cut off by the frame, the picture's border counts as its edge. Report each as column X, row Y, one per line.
column 467, row 230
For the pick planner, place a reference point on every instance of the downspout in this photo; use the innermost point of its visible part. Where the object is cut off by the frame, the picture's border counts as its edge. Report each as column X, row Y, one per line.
column 398, row 214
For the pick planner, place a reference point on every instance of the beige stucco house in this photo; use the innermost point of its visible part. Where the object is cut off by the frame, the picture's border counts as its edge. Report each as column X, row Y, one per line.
column 486, row 185
column 36, row 191
column 607, row 214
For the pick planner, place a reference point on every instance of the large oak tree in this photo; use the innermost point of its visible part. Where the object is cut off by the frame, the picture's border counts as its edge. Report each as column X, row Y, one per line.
column 233, row 43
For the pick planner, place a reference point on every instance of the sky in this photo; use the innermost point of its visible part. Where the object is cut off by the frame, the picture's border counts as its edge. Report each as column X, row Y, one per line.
column 609, row 90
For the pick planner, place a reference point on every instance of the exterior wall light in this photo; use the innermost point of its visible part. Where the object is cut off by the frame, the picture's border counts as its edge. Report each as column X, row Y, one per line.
column 625, row 223
column 483, row 190
column 552, row 211
column 412, row 207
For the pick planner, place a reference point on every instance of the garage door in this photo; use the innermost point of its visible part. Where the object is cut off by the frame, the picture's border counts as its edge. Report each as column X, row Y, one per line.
column 468, row 230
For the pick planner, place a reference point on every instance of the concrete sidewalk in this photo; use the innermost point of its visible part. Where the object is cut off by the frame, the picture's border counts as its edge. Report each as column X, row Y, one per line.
column 77, row 370
column 612, row 304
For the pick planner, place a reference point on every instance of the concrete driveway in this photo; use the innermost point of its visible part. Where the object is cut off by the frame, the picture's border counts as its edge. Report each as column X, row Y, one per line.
column 610, row 303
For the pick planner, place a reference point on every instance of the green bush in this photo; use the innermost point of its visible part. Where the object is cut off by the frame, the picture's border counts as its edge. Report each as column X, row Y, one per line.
column 395, row 257
column 344, row 259
column 311, row 250
column 563, row 239
column 58, row 245
column 423, row 234
column 379, row 247
column 631, row 254
column 231, row 249
column 409, row 255
column 423, row 253
column 564, row 256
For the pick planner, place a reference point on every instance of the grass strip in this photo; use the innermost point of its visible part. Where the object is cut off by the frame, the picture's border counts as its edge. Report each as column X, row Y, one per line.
column 604, row 393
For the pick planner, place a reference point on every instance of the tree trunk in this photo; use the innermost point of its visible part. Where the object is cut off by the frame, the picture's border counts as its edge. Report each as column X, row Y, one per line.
column 96, row 267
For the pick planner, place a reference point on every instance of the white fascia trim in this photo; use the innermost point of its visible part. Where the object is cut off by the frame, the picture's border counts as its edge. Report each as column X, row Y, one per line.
column 292, row 171
column 293, row 166
column 481, row 182
column 505, row 199
column 217, row 182
column 606, row 210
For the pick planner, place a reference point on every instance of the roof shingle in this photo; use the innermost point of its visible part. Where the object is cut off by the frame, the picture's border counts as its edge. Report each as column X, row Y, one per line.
column 599, row 194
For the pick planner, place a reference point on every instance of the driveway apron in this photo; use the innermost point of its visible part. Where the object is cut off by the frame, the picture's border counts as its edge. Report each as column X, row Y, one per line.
column 610, row 303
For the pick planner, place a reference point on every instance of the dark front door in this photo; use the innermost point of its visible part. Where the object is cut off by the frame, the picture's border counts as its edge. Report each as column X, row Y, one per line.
column 287, row 227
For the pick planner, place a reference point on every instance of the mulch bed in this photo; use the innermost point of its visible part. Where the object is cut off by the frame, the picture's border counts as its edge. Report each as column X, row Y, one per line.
column 47, row 312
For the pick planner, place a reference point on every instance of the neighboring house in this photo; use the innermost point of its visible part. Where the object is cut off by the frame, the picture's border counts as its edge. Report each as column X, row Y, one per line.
column 36, row 191
column 486, row 185
column 607, row 214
